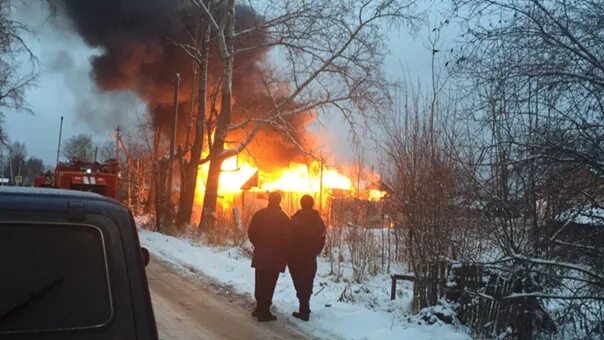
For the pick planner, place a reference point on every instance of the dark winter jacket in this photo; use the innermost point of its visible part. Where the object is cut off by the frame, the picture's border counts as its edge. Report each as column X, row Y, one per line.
column 268, row 232
column 306, row 236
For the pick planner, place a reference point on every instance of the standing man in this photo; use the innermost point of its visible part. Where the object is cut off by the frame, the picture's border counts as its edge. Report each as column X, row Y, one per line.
column 267, row 233
column 307, row 238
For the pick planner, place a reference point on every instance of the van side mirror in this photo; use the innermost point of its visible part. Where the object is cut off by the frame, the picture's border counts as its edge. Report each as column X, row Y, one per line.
column 145, row 256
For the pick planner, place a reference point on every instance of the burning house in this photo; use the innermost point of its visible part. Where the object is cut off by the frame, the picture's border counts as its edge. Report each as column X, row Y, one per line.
column 244, row 187
column 140, row 52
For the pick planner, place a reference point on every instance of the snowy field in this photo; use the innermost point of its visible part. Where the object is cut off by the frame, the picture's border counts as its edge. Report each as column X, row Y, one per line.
column 339, row 309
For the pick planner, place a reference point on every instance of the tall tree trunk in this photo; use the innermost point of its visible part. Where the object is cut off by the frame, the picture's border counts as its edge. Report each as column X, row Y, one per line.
column 210, row 198
column 208, row 217
column 189, row 180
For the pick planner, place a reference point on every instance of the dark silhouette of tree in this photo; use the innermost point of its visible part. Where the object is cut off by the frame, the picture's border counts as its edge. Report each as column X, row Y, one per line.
column 79, row 146
column 13, row 79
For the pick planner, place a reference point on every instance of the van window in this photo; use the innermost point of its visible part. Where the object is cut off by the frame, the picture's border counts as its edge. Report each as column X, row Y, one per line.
column 53, row 277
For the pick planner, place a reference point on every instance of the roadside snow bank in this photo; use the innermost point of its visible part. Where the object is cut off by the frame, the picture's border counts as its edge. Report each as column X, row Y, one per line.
column 339, row 309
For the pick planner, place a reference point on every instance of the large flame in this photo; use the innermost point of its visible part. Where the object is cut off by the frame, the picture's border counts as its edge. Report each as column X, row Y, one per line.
column 297, row 178
column 301, row 178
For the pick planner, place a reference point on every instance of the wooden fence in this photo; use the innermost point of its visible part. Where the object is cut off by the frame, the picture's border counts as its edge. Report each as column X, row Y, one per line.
column 493, row 307
column 488, row 301
column 430, row 284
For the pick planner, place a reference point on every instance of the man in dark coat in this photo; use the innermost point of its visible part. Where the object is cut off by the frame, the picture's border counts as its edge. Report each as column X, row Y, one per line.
column 307, row 238
column 267, row 232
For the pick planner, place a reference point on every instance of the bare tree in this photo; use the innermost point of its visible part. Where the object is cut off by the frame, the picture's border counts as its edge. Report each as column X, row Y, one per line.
column 534, row 71
column 33, row 167
column 332, row 51
column 3, row 135
column 79, row 146
column 424, row 179
column 199, row 50
column 555, row 62
column 106, row 151
column 14, row 79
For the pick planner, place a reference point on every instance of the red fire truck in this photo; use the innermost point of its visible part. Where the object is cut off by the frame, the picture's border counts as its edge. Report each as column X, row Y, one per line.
column 75, row 174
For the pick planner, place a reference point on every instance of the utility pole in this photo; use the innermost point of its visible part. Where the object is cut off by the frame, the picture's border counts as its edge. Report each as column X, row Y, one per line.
column 156, row 172
column 321, row 188
column 60, row 135
column 127, row 170
column 10, row 160
column 117, row 145
column 173, row 141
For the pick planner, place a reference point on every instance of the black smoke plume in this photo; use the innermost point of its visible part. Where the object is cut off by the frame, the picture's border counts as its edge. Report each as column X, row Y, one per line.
column 136, row 37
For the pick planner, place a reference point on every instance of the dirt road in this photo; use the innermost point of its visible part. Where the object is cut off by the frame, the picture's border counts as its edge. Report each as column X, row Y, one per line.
column 190, row 307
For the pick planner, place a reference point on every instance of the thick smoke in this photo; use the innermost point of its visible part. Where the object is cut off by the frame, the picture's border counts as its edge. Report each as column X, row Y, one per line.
column 102, row 110
column 139, row 56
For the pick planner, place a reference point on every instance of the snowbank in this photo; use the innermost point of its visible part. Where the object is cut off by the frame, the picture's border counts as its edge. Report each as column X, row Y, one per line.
column 339, row 309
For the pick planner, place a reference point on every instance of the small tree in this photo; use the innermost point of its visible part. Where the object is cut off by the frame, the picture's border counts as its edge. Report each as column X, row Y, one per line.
column 106, row 151
column 79, row 146
column 16, row 160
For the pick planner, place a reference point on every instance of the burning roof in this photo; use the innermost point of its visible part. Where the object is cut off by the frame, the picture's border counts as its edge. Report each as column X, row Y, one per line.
column 239, row 175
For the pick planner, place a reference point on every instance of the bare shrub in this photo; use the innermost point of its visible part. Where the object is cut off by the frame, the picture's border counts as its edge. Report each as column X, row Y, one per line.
column 363, row 250
column 333, row 249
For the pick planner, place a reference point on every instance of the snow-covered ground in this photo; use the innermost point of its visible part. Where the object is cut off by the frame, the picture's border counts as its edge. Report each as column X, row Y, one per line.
column 339, row 309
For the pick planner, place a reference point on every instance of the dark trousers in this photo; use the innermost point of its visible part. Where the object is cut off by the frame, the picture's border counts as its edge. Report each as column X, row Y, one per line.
column 303, row 273
column 264, row 288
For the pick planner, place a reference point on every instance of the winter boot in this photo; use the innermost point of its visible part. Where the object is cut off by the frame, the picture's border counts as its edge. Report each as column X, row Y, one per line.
column 266, row 316
column 304, row 311
column 257, row 309
column 263, row 312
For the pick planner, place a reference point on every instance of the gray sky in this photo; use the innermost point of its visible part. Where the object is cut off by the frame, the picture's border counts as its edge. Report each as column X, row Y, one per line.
column 64, row 87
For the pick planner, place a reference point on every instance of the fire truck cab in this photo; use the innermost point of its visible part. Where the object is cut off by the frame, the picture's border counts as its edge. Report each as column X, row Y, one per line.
column 75, row 174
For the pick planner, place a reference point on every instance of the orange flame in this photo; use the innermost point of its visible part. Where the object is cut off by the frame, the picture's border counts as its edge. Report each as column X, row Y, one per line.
column 298, row 179
column 305, row 179
column 376, row 195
